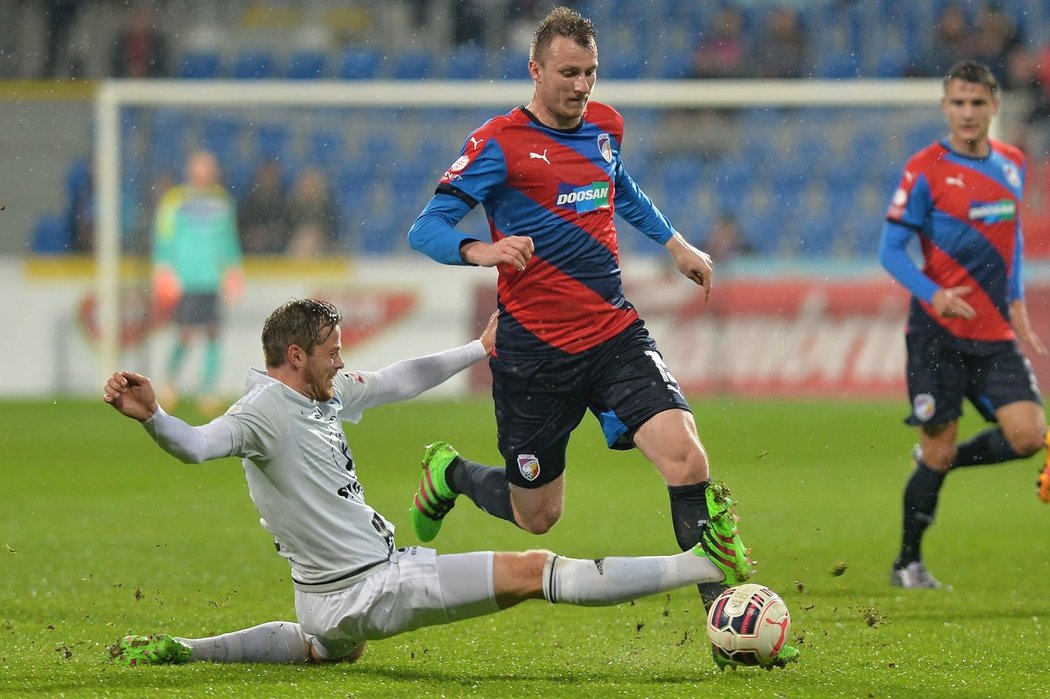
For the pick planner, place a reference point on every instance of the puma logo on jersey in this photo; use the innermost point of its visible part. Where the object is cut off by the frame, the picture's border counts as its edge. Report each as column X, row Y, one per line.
column 540, row 156
column 957, row 181
column 476, row 142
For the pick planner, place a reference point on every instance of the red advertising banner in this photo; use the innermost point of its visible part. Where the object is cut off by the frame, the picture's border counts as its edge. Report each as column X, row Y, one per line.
column 784, row 337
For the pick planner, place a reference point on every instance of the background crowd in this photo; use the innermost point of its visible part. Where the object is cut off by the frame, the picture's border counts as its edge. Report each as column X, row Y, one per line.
column 294, row 190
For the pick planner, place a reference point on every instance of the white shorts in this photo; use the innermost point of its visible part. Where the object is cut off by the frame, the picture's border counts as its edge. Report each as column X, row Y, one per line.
column 416, row 588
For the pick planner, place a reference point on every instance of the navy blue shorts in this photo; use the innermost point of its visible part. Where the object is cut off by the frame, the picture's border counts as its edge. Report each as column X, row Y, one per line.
column 539, row 402
column 944, row 370
column 197, row 309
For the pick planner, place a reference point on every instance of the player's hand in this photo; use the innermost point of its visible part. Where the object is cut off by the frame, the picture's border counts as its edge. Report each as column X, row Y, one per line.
column 233, row 284
column 488, row 336
column 949, row 303
column 132, row 395
column 693, row 263
column 514, row 251
column 1023, row 328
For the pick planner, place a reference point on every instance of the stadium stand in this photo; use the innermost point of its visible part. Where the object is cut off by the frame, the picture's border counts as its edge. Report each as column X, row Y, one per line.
column 790, row 195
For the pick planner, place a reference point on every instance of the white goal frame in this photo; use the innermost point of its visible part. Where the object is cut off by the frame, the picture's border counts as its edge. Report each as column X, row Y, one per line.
column 113, row 95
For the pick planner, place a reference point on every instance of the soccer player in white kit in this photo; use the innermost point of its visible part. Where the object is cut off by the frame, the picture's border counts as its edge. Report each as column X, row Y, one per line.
column 352, row 584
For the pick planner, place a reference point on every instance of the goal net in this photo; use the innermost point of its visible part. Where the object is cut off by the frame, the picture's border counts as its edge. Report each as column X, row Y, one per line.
column 805, row 168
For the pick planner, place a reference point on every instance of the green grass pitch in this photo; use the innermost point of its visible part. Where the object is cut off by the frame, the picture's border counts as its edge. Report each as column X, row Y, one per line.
column 102, row 534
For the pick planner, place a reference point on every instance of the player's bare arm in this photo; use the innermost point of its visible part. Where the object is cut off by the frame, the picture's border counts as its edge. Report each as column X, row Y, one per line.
column 1023, row 328
column 131, row 394
column 693, row 263
column 949, row 303
column 515, row 251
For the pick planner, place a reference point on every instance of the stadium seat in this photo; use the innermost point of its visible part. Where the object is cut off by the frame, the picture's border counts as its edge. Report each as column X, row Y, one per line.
column 412, row 64
column 359, row 64
column 255, row 64
column 51, row 236
column 273, row 141
column 307, row 65
column 515, row 66
column 467, row 62
column 200, row 65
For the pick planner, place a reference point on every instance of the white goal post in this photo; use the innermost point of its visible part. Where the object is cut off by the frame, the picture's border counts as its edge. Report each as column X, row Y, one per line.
column 114, row 95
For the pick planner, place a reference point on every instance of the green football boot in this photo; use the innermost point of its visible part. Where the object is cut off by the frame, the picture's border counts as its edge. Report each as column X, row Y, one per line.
column 434, row 498
column 787, row 654
column 720, row 541
column 155, row 649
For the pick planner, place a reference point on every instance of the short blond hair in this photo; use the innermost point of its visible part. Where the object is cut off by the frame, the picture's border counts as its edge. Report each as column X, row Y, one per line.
column 563, row 21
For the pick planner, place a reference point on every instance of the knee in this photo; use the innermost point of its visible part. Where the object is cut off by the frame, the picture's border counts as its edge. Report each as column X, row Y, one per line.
column 539, row 522
column 1027, row 442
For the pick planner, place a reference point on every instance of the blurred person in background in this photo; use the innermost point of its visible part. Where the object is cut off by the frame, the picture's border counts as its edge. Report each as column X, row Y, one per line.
column 311, row 215
column 196, row 257
column 961, row 197
column 141, row 49
column 262, row 213
column 953, row 39
column 724, row 50
column 781, row 47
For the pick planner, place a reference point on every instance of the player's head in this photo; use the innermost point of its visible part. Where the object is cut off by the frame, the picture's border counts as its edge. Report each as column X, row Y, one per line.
column 971, row 99
column 301, row 339
column 563, row 63
column 303, row 322
column 972, row 72
column 202, row 169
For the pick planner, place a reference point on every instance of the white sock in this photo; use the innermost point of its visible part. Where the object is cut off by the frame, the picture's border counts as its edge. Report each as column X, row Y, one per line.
column 608, row 581
column 273, row 642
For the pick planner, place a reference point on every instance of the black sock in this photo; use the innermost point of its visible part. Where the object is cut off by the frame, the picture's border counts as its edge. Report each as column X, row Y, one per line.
column 988, row 447
column 920, row 504
column 485, row 485
column 688, row 515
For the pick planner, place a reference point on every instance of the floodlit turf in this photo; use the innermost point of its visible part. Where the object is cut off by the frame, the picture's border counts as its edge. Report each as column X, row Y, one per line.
column 102, row 534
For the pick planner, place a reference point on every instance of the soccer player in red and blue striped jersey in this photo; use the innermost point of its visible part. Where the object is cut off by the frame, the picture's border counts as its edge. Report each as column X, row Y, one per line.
column 550, row 178
column 961, row 198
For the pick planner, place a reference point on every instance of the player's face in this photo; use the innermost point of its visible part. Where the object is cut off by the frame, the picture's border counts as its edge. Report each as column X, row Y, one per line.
column 323, row 363
column 564, row 77
column 968, row 108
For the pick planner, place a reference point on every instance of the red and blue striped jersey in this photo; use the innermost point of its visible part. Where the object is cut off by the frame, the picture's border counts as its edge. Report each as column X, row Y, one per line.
column 966, row 212
column 561, row 188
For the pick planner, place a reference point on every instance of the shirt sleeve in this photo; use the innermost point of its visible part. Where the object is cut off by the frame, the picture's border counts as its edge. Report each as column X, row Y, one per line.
column 635, row 207
column 434, row 231
column 403, row 380
column 190, row 444
column 893, row 254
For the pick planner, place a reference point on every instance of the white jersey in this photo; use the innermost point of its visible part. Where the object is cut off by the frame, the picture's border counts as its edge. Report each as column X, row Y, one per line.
column 300, row 470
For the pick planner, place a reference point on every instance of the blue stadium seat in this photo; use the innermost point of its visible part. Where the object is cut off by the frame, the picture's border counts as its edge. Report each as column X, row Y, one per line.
column 254, row 64
column 359, row 64
column 677, row 64
column 326, row 147
column 51, row 235
column 307, row 65
column 515, row 66
column 467, row 62
column 273, row 141
column 219, row 135
column 200, row 65
column 412, row 64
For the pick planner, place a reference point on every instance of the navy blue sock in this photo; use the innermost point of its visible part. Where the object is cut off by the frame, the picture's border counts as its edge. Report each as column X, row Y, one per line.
column 988, row 447
column 920, row 504
column 485, row 485
column 688, row 512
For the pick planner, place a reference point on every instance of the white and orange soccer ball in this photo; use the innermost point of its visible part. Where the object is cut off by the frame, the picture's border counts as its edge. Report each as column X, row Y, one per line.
column 749, row 624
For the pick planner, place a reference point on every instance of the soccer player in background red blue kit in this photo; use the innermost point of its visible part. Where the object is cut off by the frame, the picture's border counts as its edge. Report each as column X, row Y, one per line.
column 550, row 178
column 962, row 198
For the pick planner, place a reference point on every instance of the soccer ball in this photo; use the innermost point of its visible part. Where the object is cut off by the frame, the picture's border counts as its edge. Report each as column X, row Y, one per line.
column 749, row 624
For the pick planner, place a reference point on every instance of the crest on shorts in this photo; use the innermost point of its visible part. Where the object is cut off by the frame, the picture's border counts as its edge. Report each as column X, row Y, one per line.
column 923, row 407
column 529, row 466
